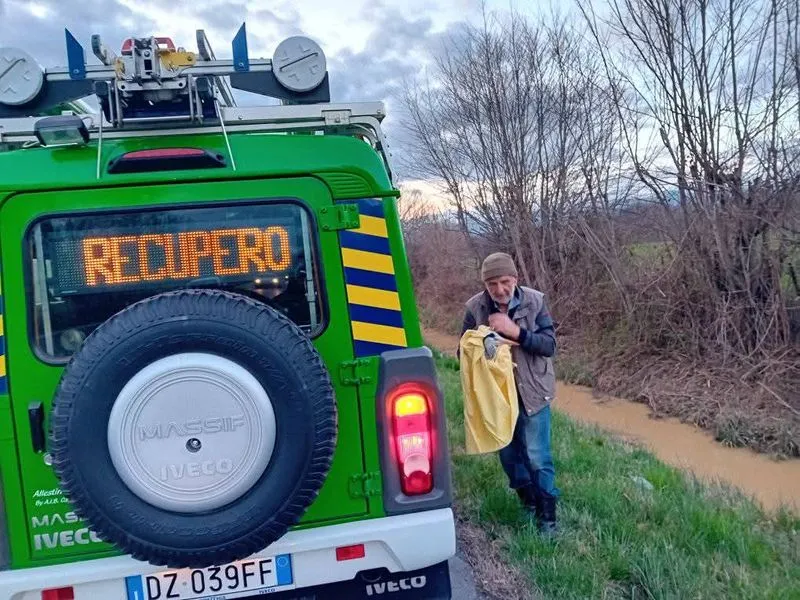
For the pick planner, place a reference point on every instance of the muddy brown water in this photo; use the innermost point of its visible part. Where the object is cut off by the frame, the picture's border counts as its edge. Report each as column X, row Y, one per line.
column 687, row 447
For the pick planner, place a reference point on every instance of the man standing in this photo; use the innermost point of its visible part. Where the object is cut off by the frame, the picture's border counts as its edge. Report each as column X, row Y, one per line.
column 520, row 314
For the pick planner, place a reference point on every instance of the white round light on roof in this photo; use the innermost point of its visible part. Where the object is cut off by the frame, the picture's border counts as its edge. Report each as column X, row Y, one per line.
column 21, row 77
column 299, row 64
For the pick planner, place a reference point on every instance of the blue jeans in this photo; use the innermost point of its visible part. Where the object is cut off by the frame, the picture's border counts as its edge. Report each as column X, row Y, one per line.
column 527, row 459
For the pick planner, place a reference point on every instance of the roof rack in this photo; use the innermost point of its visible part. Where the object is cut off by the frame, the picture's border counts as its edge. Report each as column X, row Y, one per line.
column 153, row 88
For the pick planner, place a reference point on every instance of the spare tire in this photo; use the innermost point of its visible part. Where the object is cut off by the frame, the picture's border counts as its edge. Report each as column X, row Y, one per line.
column 194, row 428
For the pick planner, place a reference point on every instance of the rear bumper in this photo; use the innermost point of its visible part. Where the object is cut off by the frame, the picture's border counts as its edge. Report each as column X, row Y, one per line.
column 399, row 544
column 430, row 583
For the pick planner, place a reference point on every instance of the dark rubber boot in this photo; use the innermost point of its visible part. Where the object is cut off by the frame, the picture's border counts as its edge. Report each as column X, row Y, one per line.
column 546, row 515
column 528, row 500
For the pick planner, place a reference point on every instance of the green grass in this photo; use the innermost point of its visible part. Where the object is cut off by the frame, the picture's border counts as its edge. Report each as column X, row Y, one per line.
column 680, row 540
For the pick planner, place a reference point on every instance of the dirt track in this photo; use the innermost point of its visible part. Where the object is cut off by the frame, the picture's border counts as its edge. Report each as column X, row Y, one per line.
column 684, row 446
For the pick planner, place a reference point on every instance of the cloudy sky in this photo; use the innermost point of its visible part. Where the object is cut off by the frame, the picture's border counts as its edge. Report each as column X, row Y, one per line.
column 371, row 45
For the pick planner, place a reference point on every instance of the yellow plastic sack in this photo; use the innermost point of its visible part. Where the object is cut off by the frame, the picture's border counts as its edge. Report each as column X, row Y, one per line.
column 490, row 395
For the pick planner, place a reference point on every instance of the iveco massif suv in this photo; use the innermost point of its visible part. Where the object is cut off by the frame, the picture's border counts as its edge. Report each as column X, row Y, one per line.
column 213, row 383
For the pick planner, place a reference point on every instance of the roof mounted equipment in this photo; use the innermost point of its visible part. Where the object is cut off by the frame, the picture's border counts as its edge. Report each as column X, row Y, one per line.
column 151, row 79
column 154, row 88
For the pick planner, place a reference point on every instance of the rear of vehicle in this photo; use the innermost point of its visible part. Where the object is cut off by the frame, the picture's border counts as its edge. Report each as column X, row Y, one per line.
column 213, row 383
column 217, row 359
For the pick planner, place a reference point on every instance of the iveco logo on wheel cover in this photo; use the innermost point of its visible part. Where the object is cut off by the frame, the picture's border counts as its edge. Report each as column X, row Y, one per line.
column 154, row 460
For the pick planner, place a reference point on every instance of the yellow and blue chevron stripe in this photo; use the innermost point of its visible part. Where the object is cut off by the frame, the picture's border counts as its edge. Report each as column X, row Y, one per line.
column 3, row 379
column 373, row 301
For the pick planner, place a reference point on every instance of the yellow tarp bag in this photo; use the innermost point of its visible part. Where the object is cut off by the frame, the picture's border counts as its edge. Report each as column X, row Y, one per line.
column 490, row 394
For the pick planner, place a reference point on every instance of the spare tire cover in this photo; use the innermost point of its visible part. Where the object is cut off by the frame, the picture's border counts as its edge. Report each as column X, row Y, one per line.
column 194, row 428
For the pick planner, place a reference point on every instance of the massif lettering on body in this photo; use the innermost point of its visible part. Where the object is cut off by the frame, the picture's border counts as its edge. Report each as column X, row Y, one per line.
column 64, row 538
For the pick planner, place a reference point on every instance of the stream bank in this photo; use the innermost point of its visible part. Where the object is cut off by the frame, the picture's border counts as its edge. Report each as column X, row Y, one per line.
column 772, row 483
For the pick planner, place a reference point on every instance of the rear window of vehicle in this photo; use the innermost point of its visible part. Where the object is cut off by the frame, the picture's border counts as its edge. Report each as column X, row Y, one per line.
column 84, row 268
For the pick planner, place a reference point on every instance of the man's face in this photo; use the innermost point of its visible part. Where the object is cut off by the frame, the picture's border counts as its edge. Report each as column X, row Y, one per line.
column 501, row 289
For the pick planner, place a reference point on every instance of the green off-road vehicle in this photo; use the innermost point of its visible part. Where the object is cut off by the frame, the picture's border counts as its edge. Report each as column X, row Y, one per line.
column 213, row 378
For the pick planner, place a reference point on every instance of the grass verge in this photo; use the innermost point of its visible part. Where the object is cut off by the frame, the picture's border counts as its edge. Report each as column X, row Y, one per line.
column 620, row 538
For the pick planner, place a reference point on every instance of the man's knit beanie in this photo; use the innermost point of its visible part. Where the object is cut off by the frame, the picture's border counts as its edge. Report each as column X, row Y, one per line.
column 498, row 265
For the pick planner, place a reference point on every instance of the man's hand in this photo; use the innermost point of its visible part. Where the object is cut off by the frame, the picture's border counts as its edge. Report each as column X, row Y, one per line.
column 502, row 324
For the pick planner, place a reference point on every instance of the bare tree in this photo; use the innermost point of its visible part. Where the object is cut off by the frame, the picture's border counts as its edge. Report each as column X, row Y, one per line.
column 518, row 125
column 644, row 173
column 716, row 80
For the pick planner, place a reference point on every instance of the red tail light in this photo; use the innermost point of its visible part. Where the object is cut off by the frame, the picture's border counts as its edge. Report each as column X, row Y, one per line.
column 165, row 159
column 350, row 552
column 411, row 432
column 64, row 593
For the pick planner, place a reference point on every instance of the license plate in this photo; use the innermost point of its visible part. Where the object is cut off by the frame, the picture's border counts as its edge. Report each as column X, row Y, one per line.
column 261, row 575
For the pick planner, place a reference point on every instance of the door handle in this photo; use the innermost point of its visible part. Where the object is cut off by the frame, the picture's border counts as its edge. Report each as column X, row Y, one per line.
column 36, row 420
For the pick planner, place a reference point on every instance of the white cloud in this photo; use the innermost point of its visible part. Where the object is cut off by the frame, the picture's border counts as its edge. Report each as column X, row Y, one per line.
column 39, row 11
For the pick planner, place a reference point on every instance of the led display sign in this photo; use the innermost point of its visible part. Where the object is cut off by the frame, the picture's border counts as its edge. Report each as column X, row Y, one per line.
column 171, row 249
column 159, row 257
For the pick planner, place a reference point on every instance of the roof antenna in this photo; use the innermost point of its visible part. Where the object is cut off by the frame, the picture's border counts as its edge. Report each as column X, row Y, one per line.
column 224, row 131
column 99, row 143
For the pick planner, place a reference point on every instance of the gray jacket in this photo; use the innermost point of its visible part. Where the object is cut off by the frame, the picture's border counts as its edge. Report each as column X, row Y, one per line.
column 534, row 372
